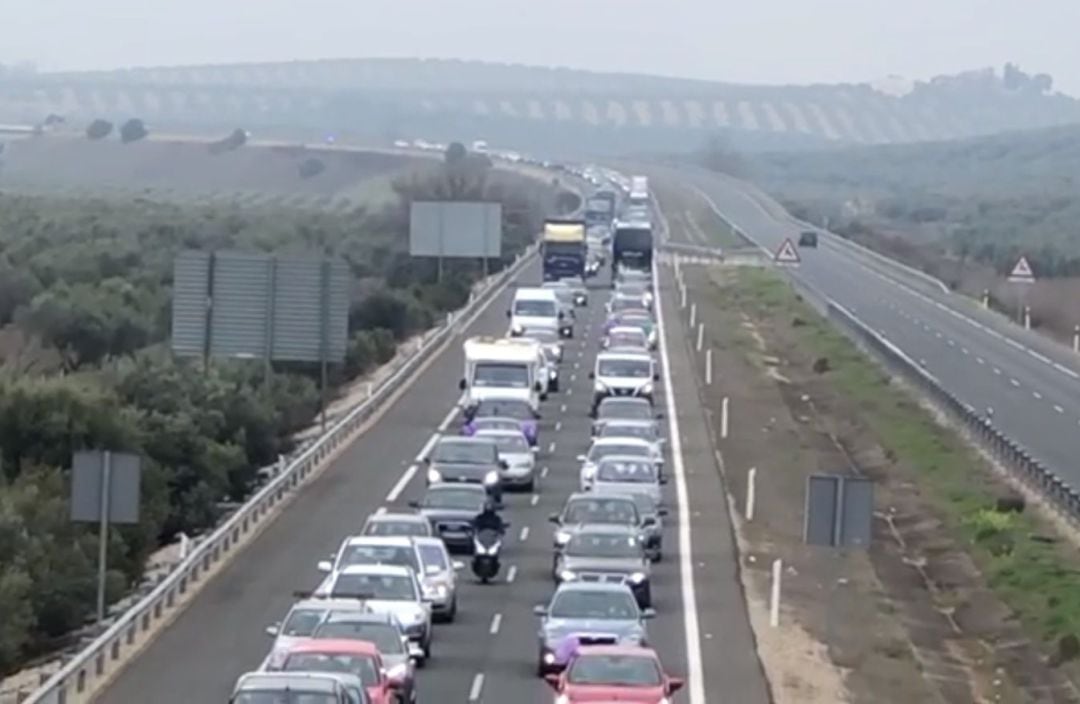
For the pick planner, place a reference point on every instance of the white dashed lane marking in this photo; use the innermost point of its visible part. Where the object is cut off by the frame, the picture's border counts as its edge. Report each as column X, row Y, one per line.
column 1014, row 382
column 511, row 574
column 496, row 621
column 524, row 534
column 1036, row 394
column 1058, row 408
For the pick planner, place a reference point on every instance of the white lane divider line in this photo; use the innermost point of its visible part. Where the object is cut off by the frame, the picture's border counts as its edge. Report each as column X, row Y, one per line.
column 997, row 371
column 551, row 447
column 951, row 343
column 524, row 534
column 573, row 378
column 534, row 500
column 380, row 511
column 964, row 350
column 543, row 472
column 1036, row 394
column 477, row 687
column 938, row 335
column 1058, row 408
column 1014, row 382
column 448, row 419
column 1041, row 357
column 511, row 574
column 569, row 391
column 980, row 360
column 427, row 447
column 401, row 484
column 562, row 409
column 496, row 621
column 558, row 425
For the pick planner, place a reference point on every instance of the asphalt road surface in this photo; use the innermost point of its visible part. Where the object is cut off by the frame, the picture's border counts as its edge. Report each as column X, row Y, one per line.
column 489, row 653
column 1033, row 386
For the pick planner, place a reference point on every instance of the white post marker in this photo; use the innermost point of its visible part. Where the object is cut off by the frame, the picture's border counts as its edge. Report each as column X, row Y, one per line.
column 724, row 418
column 774, row 598
column 708, row 367
column 751, row 492
column 1076, row 338
column 786, row 254
column 693, row 314
column 185, row 546
column 1027, row 317
column 682, row 297
column 700, row 335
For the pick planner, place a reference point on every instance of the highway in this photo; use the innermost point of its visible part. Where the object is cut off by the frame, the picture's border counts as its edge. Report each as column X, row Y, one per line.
column 489, row 653
column 1032, row 386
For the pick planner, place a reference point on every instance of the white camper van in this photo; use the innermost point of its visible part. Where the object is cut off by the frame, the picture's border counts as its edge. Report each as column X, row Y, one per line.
column 538, row 308
column 504, row 368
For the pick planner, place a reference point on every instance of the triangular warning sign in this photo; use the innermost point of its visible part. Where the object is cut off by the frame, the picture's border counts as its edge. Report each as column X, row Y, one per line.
column 1022, row 271
column 787, row 254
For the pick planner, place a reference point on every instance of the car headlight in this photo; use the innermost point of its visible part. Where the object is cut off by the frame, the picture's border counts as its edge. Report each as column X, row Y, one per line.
column 491, row 477
column 562, row 699
column 418, row 616
column 647, row 389
column 397, row 672
column 631, row 639
column 433, row 476
column 517, row 328
column 652, row 336
column 567, row 576
column 554, row 373
column 562, row 537
column 549, row 658
column 600, row 388
column 637, row 577
column 435, row 591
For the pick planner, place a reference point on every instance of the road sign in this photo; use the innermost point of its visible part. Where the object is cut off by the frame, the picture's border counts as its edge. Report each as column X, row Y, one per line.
column 786, row 254
column 1022, row 273
column 839, row 511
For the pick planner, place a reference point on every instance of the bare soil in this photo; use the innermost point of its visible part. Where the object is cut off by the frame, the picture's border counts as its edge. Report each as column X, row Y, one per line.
column 909, row 620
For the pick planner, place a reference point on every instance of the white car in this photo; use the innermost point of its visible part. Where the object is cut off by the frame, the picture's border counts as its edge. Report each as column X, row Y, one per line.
column 627, row 447
column 519, row 456
column 626, row 338
column 629, row 474
column 425, row 556
column 643, row 429
column 391, row 589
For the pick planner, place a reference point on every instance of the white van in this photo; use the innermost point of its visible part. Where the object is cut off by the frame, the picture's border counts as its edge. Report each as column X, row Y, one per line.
column 504, row 368
column 623, row 374
column 537, row 308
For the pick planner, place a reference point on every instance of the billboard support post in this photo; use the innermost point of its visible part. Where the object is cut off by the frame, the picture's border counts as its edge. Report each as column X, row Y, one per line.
column 103, row 533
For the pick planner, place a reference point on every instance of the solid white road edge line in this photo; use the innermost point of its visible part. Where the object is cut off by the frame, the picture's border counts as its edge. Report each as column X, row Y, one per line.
column 694, row 676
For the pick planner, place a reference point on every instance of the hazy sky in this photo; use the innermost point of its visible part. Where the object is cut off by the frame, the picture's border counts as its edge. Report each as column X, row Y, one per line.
column 772, row 41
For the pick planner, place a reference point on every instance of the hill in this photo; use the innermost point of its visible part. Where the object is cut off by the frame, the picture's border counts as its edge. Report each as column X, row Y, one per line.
column 540, row 108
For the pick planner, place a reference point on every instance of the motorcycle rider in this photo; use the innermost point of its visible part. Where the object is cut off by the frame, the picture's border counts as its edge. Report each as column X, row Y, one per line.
column 489, row 519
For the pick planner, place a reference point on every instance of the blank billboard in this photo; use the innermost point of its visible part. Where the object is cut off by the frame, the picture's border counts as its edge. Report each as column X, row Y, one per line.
column 455, row 229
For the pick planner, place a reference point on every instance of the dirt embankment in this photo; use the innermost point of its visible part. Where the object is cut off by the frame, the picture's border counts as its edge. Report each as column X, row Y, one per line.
column 912, row 619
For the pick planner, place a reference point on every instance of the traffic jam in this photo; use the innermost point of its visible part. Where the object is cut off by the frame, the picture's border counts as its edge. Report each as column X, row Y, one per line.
column 365, row 633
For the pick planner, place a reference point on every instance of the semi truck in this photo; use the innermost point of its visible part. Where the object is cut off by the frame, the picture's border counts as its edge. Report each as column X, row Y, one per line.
column 600, row 208
column 563, row 249
column 632, row 246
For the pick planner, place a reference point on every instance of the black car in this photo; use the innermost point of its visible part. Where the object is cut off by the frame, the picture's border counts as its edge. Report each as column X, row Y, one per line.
column 451, row 509
column 470, row 460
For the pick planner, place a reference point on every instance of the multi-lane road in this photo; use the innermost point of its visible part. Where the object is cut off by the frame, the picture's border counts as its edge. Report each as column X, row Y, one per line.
column 1033, row 386
column 489, row 653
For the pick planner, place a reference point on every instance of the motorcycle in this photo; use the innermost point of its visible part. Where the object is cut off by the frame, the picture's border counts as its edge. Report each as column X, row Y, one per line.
column 487, row 544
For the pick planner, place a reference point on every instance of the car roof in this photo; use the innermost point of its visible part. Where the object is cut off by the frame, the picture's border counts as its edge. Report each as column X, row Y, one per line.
column 642, row 356
column 626, row 330
column 616, row 400
column 463, row 440
column 499, row 433
column 630, row 422
column 583, row 495
column 335, row 645
column 636, row 459
column 367, row 616
column 592, row 587
column 314, row 681
column 457, row 487
column 496, row 419
column 534, row 294
column 621, row 440
column 329, row 604
column 608, row 528
column 633, row 650
column 394, row 517
column 389, row 570
column 389, row 540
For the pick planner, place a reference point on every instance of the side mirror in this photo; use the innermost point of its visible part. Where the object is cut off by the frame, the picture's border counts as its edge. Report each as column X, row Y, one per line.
column 325, row 566
column 415, row 651
column 273, row 630
column 462, row 385
column 663, row 480
column 543, row 396
column 648, row 613
column 655, row 377
column 538, row 386
column 552, row 679
column 662, row 511
column 592, row 375
column 509, row 314
column 561, row 315
column 503, row 464
column 675, row 684
column 457, row 565
column 649, row 521
column 581, row 458
column 535, row 450
column 554, row 518
column 540, row 610
column 659, row 415
column 414, row 504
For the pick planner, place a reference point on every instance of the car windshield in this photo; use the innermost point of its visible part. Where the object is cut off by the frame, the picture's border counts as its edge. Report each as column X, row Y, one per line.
column 434, row 556
column 391, row 587
column 601, row 450
column 628, row 409
column 620, row 511
column 632, row 289
column 603, row 545
column 361, row 665
column 378, row 555
column 636, row 321
column 615, row 670
column 633, row 368
column 509, row 443
column 386, row 637
column 518, row 410
column 537, row 309
column 284, row 696
column 496, row 424
column 619, row 471
column 454, row 498
column 514, row 376
column 397, row 528
column 464, row 452
column 578, row 603
column 628, row 339
column 625, row 303
column 301, row 622
column 628, row 430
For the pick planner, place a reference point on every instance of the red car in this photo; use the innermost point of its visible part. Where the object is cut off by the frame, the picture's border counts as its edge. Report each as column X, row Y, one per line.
column 354, row 657
column 606, row 673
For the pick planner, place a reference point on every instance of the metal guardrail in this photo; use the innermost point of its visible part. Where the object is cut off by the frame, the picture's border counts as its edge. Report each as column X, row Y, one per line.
column 1009, row 453
column 80, row 677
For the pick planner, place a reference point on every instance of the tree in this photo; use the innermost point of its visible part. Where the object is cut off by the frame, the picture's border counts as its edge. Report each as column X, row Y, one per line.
column 99, row 129
column 133, row 130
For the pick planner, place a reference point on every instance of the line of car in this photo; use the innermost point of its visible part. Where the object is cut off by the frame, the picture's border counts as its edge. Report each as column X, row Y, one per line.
column 362, row 635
